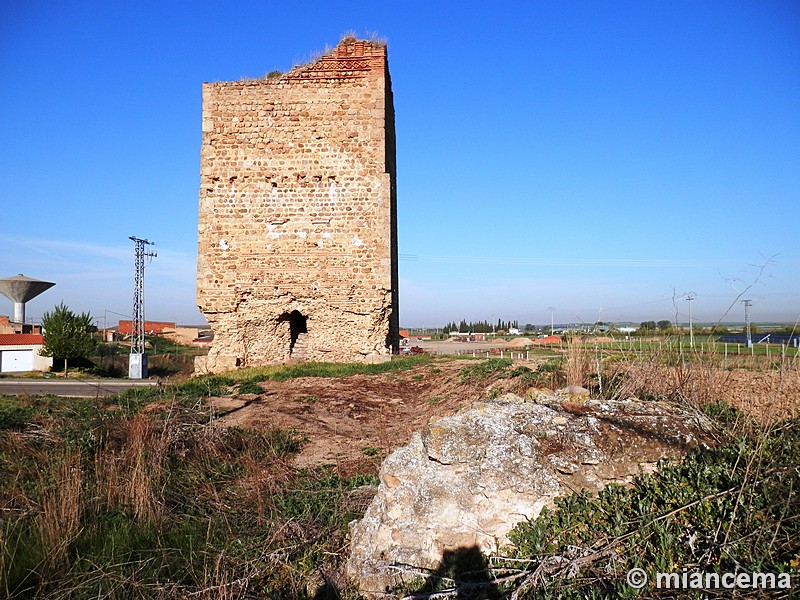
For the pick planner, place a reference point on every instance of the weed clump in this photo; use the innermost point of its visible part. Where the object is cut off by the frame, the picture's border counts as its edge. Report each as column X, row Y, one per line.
column 12, row 415
column 249, row 386
column 489, row 368
column 547, row 374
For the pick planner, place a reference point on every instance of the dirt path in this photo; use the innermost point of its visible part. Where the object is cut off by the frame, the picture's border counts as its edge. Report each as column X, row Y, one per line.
column 351, row 421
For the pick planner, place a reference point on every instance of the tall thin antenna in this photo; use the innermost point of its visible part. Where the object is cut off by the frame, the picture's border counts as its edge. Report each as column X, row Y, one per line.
column 689, row 297
column 747, row 305
column 137, row 366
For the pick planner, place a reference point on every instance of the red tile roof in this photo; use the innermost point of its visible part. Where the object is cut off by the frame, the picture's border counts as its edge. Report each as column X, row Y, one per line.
column 126, row 327
column 550, row 339
column 21, row 339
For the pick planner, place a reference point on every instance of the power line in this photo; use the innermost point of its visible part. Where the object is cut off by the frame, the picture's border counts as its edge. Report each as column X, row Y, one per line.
column 570, row 262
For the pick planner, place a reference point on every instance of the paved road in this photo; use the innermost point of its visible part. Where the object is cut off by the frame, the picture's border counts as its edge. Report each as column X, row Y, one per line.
column 83, row 388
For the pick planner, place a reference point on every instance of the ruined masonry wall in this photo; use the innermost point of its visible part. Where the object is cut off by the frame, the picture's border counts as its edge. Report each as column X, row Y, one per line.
column 297, row 213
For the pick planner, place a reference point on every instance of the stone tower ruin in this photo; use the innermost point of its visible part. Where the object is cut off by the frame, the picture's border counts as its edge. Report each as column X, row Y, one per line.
column 297, row 253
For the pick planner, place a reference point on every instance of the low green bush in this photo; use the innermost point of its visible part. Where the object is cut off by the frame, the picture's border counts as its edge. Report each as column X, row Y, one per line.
column 13, row 415
column 249, row 386
column 722, row 510
column 489, row 368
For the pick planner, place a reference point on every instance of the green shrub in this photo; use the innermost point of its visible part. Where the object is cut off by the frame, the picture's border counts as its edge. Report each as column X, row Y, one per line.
column 550, row 366
column 12, row 414
column 202, row 387
column 250, row 387
column 491, row 367
column 721, row 510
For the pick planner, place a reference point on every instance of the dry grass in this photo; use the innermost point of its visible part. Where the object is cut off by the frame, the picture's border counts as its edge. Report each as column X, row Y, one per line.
column 692, row 379
column 132, row 476
column 58, row 521
column 767, row 389
column 577, row 364
column 160, row 504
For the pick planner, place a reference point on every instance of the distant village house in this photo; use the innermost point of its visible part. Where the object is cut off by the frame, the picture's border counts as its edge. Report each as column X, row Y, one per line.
column 21, row 352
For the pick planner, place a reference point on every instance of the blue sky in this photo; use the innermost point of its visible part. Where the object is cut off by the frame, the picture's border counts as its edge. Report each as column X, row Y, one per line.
column 597, row 157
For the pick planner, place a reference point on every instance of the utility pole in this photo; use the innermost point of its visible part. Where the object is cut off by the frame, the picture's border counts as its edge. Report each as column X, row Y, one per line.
column 747, row 305
column 689, row 297
column 137, row 365
column 552, row 309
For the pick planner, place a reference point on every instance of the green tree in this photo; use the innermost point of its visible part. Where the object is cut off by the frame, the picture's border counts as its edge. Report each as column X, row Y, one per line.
column 648, row 325
column 67, row 336
column 664, row 325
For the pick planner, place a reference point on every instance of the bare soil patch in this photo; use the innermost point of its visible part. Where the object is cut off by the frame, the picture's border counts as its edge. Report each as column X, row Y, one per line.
column 354, row 422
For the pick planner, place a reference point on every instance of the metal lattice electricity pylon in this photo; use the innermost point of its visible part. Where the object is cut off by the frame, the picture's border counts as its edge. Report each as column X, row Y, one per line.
column 137, row 339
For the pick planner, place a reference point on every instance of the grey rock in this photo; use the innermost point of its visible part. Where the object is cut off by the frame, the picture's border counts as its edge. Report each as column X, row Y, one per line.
column 466, row 480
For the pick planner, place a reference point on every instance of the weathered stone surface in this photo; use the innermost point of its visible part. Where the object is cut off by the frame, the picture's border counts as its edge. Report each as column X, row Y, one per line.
column 297, row 251
column 467, row 480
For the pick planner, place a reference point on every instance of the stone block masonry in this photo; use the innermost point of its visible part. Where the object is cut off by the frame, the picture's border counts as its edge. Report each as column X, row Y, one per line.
column 297, row 252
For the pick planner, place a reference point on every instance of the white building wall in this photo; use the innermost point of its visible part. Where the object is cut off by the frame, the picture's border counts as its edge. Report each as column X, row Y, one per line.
column 40, row 363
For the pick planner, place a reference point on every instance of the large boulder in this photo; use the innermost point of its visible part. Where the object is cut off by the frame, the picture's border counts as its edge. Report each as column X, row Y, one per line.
column 466, row 480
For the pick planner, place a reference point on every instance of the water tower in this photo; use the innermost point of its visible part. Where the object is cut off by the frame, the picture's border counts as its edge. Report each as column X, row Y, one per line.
column 20, row 289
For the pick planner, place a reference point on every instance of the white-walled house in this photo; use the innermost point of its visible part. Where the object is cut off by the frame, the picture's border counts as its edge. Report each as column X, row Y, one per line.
column 20, row 352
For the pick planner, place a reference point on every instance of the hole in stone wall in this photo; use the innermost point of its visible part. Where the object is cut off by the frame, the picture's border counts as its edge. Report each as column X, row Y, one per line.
column 297, row 327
